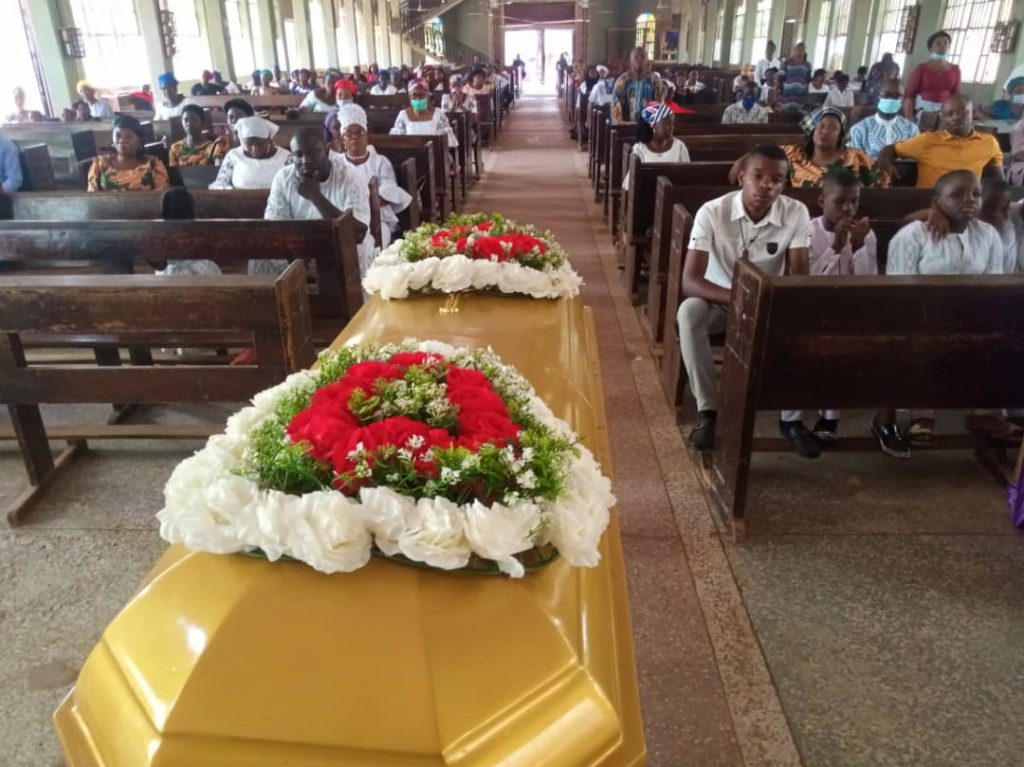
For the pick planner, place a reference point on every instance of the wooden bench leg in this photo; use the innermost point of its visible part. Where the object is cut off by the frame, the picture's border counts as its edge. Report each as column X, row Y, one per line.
column 40, row 465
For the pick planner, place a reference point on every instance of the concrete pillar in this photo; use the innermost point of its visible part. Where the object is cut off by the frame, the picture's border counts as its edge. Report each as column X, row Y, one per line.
column 368, row 46
column 327, row 32
column 748, row 54
column 267, row 54
column 304, row 54
column 352, row 34
column 383, row 23
column 157, row 61
column 217, row 37
column 727, row 24
column 59, row 72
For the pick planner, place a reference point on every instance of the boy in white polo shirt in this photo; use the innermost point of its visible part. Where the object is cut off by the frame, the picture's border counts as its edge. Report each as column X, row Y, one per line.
column 770, row 230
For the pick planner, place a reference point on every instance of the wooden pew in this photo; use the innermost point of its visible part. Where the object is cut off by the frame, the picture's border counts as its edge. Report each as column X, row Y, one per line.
column 259, row 103
column 121, row 245
column 701, row 146
column 886, row 208
column 272, row 314
column 815, row 342
column 100, row 206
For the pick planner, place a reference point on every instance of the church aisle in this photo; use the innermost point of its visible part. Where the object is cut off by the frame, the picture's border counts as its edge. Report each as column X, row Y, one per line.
column 706, row 694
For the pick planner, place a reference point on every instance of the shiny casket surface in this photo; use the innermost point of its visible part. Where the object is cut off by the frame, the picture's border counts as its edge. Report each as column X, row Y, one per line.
column 224, row 661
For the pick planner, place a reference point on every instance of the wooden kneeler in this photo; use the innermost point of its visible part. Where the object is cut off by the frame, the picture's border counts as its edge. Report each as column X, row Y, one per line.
column 273, row 313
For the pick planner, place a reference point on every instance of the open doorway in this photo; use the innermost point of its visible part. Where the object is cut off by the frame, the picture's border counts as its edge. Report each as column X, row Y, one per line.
column 539, row 48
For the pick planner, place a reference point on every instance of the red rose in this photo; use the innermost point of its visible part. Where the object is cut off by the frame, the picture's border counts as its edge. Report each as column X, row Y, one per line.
column 487, row 426
column 485, row 226
column 466, row 377
column 408, row 359
column 460, row 244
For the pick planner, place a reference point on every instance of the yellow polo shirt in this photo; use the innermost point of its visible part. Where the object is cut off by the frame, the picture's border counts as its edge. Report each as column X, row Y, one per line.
column 938, row 152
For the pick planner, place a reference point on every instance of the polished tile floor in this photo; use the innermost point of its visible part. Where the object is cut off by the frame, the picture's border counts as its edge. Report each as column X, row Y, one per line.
column 872, row 618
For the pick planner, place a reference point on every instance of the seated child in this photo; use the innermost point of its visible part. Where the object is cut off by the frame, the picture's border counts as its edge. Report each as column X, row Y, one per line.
column 654, row 139
column 840, row 244
column 951, row 241
column 758, row 223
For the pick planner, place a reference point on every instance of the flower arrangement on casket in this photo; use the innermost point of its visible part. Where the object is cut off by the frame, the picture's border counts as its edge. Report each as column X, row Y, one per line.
column 474, row 252
column 422, row 450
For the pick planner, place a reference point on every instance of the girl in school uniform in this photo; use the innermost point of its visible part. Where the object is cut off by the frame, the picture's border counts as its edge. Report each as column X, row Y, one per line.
column 655, row 142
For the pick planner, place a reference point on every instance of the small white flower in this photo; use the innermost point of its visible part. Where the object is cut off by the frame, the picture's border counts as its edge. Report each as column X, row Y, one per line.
column 450, row 475
column 527, row 479
column 415, row 442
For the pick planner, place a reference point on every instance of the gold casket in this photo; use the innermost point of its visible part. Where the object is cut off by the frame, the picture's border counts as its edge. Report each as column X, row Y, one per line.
column 228, row 660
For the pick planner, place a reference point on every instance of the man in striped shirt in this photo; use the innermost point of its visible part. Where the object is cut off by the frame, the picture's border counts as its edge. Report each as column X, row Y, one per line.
column 886, row 126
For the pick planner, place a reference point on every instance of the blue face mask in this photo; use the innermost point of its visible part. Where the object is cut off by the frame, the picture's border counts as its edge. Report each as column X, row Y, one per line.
column 748, row 101
column 1017, row 98
column 939, row 56
column 889, row 106
column 420, row 105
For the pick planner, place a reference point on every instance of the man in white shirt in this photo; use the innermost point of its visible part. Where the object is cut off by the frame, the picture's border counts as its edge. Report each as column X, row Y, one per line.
column 383, row 86
column 840, row 95
column 316, row 186
column 887, row 126
column 601, row 94
column 98, row 108
column 770, row 61
column 755, row 223
column 746, row 110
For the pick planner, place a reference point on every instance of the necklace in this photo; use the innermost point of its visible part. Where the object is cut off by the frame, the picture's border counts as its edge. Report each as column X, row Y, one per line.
column 745, row 253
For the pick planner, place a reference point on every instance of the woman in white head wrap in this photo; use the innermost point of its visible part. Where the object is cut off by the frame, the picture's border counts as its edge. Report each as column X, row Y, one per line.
column 362, row 161
column 254, row 164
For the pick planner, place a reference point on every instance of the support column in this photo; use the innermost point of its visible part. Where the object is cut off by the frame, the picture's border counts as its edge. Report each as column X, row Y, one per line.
column 59, row 72
column 304, row 54
column 727, row 22
column 327, row 32
column 383, row 16
column 367, row 51
column 351, row 34
column 217, row 37
column 266, row 56
column 157, row 61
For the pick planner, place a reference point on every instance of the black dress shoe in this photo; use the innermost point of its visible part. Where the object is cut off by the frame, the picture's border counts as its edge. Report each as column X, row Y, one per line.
column 825, row 431
column 800, row 438
column 703, row 435
column 891, row 439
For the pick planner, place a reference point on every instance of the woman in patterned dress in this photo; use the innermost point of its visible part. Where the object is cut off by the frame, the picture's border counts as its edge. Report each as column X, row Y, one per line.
column 195, row 149
column 129, row 169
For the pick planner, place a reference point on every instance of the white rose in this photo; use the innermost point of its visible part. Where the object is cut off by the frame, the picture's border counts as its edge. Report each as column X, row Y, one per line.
column 275, row 516
column 244, row 421
column 384, row 511
column 418, row 274
column 500, row 531
column 328, row 533
column 204, row 509
column 452, row 274
column 580, row 518
column 485, row 274
column 435, row 533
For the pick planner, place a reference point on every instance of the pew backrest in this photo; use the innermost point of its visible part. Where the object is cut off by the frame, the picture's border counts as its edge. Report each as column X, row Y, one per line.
column 272, row 313
column 809, row 342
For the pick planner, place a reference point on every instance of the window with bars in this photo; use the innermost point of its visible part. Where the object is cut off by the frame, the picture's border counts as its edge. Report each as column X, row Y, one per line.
column 243, row 56
column 894, row 17
column 840, row 36
column 762, row 27
column 434, row 32
column 317, row 25
column 736, row 48
column 719, row 24
column 192, row 50
column 971, row 24
column 820, row 52
column 110, row 31
column 645, row 30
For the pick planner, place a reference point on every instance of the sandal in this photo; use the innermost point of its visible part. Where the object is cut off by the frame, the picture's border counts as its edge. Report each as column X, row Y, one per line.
column 996, row 428
column 921, row 432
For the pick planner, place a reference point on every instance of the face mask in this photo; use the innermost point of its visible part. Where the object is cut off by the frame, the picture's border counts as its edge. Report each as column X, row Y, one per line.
column 420, row 105
column 939, row 56
column 747, row 101
column 889, row 106
column 1017, row 98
